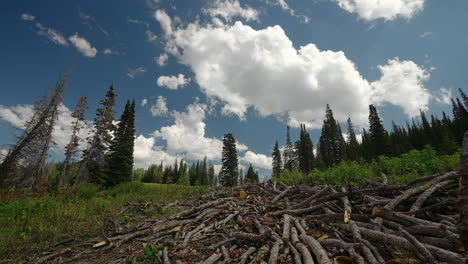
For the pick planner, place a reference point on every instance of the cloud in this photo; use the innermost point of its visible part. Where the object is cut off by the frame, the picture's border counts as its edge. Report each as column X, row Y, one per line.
column 187, row 135
column 257, row 160
column 426, row 34
column 402, row 83
column 18, row 115
column 137, row 21
column 146, row 152
column 160, row 108
column 90, row 21
column 445, row 96
column 3, row 153
column 228, row 9
column 27, row 17
column 144, row 102
column 132, row 73
column 165, row 21
column 242, row 67
column 150, row 36
column 52, row 34
column 83, row 46
column 173, row 82
column 162, row 59
column 284, row 5
column 382, row 9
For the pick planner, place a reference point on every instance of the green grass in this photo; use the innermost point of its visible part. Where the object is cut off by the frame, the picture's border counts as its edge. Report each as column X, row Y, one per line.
column 31, row 222
column 408, row 166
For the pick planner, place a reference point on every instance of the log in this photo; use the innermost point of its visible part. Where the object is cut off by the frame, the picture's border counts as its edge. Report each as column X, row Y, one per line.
column 320, row 253
column 274, row 252
column 419, row 247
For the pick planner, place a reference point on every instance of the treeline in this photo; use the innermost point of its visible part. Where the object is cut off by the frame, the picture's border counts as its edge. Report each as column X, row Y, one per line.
column 444, row 135
column 199, row 173
column 107, row 160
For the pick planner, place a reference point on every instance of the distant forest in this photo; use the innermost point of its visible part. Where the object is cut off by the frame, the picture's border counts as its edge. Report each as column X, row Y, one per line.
column 108, row 158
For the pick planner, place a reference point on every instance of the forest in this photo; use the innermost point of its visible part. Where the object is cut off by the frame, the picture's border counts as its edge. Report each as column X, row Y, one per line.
column 397, row 188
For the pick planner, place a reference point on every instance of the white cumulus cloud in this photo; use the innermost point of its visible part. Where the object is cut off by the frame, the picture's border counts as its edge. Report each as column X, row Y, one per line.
column 402, row 83
column 382, row 9
column 242, row 67
column 445, row 96
column 83, row 46
column 257, row 160
column 228, row 9
column 144, row 102
column 161, row 60
column 173, row 82
column 160, row 107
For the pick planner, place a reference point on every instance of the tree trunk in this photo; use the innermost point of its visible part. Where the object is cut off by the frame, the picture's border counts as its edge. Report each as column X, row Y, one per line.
column 463, row 194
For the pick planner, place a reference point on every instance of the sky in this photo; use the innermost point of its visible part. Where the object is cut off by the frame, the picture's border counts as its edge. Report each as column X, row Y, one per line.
column 201, row 69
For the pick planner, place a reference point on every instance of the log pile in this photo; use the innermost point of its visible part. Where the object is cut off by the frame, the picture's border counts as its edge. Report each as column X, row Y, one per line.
column 274, row 223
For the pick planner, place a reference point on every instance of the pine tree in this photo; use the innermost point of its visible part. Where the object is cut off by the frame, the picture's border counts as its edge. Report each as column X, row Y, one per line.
column 277, row 163
column 251, row 176
column 92, row 167
column 331, row 140
column 464, row 97
column 241, row 177
column 120, row 156
column 352, row 146
column 288, row 152
column 211, row 176
column 72, row 148
column 230, row 162
column 193, row 175
column 305, row 151
column 377, row 134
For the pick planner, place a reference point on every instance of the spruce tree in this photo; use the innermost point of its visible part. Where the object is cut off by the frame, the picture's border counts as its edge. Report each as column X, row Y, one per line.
column 251, row 176
column 211, row 176
column 288, row 152
column 464, row 97
column 377, row 134
column 230, row 162
column 120, row 157
column 93, row 165
column 352, row 146
column 277, row 163
column 331, row 140
column 305, row 151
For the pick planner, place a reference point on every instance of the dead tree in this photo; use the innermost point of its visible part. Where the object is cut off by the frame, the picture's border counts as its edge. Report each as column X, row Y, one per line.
column 98, row 142
column 72, row 148
column 23, row 166
column 463, row 193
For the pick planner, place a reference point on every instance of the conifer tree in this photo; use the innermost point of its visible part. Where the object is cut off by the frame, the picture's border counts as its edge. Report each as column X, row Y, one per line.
column 120, row 156
column 288, row 152
column 230, row 162
column 92, row 167
column 241, row 177
column 277, row 163
column 211, row 175
column 305, row 151
column 464, row 97
column 352, row 146
column 72, row 148
column 251, row 176
column 331, row 140
column 377, row 134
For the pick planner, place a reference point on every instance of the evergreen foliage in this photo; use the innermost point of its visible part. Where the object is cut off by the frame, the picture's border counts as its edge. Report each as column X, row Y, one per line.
column 251, row 176
column 229, row 171
column 120, row 156
column 331, row 141
column 277, row 163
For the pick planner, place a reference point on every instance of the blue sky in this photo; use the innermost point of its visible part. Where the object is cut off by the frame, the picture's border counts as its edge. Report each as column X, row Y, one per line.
column 200, row 69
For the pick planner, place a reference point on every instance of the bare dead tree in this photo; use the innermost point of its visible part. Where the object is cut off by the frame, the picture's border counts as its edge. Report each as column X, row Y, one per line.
column 72, row 148
column 23, row 166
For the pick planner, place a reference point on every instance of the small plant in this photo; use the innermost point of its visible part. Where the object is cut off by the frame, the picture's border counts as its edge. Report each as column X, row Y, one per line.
column 150, row 254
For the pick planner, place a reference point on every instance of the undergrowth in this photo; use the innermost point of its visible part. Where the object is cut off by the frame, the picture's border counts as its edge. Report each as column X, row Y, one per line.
column 31, row 222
